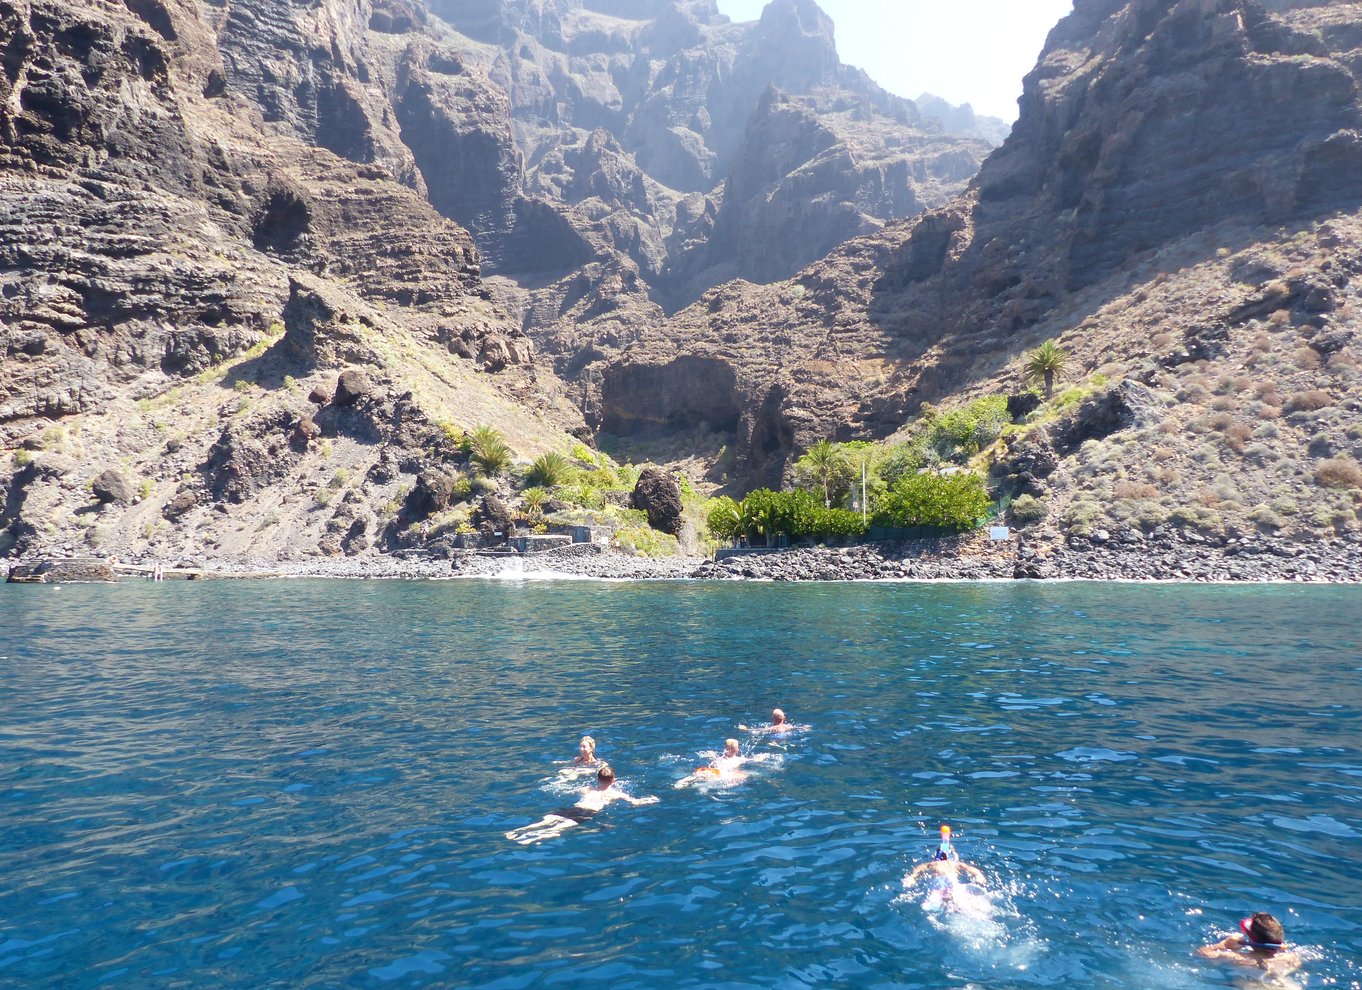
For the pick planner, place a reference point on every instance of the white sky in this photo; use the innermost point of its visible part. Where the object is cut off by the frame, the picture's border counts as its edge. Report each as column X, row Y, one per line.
column 965, row 51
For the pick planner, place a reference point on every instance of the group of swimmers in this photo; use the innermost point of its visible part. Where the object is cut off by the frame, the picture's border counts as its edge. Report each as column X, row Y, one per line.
column 724, row 767
column 952, row 883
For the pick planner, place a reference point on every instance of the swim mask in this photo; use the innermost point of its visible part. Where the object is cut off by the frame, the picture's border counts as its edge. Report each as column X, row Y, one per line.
column 945, row 850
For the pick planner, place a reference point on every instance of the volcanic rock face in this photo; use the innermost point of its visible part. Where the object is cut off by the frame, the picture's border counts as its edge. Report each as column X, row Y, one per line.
column 627, row 131
column 209, row 211
column 1156, row 137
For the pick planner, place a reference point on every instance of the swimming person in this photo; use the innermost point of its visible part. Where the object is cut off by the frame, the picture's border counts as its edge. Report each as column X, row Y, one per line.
column 1261, row 943
column 590, row 803
column 586, row 753
column 779, row 726
column 724, row 767
column 945, row 870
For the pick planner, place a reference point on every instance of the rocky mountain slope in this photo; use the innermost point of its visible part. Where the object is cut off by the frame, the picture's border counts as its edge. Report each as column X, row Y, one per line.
column 1178, row 204
column 214, row 211
column 194, row 249
column 262, row 264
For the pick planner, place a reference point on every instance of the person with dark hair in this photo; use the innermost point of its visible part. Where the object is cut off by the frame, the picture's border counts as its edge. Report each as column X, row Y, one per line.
column 1261, row 943
column 555, row 823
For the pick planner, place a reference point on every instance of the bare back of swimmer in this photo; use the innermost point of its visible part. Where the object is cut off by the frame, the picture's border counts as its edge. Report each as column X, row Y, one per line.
column 555, row 823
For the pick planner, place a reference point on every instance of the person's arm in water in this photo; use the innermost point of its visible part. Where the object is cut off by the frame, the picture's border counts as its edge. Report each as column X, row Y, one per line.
column 916, row 872
column 618, row 795
column 1227, row 948
column 974, row 873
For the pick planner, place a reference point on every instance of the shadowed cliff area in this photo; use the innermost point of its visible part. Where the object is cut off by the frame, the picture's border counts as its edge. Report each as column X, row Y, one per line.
column 1177, row 204
column 268, row 262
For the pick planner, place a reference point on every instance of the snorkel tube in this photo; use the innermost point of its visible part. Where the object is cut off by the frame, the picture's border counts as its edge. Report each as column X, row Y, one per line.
column 1247, row 928
column 946, row 850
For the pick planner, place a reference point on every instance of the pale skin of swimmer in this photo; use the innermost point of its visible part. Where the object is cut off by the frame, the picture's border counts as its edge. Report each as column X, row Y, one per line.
column 724, row 766
column 586, row 753
column 1238, row 950
column 590, row 802
column 779, row 725
column 948, row 868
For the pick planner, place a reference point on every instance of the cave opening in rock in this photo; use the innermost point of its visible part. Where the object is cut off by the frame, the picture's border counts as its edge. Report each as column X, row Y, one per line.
column 282, row 223
column 689, row 398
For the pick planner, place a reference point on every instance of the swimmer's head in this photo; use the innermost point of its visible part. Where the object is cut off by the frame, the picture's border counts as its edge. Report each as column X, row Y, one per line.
column 730, row 747
column 1263, row 931
column 605, row 775
column 587, row 747
column 777, row 717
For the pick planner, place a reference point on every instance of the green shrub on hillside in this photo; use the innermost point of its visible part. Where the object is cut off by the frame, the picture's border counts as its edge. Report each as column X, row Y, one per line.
column 1027, row 509
column 950, row 436
column 959, row 500
column 550, row 470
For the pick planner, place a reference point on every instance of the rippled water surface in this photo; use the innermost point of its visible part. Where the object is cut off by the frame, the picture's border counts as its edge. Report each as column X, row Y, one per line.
column 306, row 784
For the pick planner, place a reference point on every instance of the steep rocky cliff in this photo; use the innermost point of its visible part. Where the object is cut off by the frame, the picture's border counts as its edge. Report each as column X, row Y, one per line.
column 1177, row 204
column 209, row 214
column 654, row 150
column 261, row 263
column 214, row 211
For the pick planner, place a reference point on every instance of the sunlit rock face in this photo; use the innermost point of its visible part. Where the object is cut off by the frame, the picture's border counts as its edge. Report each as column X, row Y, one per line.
column 1172, row 158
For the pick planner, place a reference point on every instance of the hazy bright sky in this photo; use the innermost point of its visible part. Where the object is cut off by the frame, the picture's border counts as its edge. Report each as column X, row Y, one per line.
column 965, row 51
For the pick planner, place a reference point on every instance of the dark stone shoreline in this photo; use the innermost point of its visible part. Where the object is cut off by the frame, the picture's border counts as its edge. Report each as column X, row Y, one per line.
column 1167, row 557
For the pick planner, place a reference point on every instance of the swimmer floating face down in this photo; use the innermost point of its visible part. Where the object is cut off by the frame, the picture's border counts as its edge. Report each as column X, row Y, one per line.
column 555, row 823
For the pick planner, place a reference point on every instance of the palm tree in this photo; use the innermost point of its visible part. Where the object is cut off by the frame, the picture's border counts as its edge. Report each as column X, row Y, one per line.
column 826, row 465
column 535, row 499
column 550, row 470
column 488, row 451
column 1044, row 364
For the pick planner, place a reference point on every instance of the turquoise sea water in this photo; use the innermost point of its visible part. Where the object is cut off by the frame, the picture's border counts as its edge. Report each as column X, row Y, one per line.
column 306, row 784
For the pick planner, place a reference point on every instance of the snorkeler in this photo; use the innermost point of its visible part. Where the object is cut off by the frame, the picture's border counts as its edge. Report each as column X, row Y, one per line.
column 780, row 725
column 557, row 822
column 946, row 869
column 1260, row 944
column 724, row 767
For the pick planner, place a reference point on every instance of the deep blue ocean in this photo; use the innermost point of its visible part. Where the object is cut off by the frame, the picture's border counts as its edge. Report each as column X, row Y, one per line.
column 307, row 783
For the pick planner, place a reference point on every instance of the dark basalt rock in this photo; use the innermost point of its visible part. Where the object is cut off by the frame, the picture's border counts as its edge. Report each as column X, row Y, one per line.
column 179, row 504
column 112, row 487
column 62, row 572
column 1128, row 404
column 351, row 386
column 492, row 517
column 431, row 494
column 658, row 493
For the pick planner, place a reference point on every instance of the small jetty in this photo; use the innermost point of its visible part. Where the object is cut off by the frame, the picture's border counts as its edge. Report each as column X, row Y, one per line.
column 96, row 570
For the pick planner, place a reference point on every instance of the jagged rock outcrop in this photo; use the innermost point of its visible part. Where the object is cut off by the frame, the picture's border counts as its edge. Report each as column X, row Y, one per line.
column 658, row 493
column 618, row 132
column 1154, row 135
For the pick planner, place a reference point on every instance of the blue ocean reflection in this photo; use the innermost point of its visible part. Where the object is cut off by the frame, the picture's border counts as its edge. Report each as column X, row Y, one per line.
column 306, row 784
